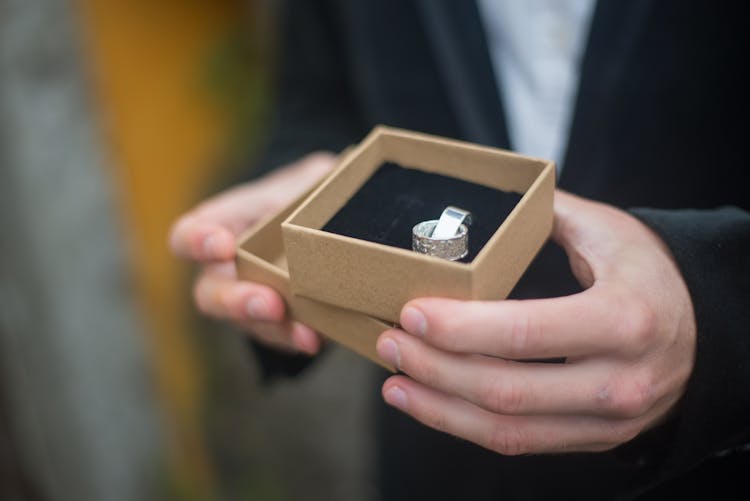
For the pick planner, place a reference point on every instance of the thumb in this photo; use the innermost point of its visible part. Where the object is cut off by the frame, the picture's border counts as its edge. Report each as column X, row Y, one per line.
column 200, row 240
column 580, row 229
column 208, row 232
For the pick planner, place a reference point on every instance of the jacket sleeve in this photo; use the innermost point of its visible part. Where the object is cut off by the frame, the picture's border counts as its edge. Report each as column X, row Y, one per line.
column 712, row 250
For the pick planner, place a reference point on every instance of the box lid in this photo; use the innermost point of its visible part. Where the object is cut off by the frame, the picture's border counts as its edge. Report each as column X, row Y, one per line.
column 378, row 279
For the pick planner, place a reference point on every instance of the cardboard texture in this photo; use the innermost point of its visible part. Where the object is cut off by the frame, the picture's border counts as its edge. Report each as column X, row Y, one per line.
column 261, row 258
column 377, row 279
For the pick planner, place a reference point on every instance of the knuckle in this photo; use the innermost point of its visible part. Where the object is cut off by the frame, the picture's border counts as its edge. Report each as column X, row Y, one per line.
column 500, row 395
column 620, row 433
column 626, row 434
column 639, row 323
column 630, row 398
column 507, row 440
column 441, row 333
column 214, row 298
column 422, row 368
column 436, row 419
column 520, row 335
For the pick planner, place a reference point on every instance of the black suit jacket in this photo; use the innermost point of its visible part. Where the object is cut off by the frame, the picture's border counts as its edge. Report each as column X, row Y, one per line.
column 658, row 129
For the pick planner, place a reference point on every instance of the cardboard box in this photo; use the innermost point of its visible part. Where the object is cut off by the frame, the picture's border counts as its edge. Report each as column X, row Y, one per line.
column 378, row 279
column 261, row 258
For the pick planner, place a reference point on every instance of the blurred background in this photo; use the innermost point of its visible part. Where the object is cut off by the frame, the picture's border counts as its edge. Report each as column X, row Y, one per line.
column 116, row 117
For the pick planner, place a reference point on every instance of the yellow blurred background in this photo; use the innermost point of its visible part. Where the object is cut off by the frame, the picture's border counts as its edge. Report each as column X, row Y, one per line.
column 115, row 118
column 177, row 90
column 180, row 86
column 152, row 64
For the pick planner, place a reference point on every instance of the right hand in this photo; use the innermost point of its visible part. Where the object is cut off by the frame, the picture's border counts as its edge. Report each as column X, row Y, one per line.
column 207, row 235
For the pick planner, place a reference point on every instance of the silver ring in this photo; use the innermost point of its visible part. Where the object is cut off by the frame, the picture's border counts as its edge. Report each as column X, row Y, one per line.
column 447, row 238
column 450, row 220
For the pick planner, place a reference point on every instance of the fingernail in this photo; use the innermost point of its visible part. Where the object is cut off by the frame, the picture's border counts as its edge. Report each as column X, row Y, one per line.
column 414, row 321
column 396, row 397
column 388, row 351
column 257, row 308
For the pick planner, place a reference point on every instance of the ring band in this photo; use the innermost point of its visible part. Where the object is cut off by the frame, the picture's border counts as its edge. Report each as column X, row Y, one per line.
column 451, row 248
column 450, row 220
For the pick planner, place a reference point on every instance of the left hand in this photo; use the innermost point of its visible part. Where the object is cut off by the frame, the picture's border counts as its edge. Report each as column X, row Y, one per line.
column 207, row 236
column 628, row 340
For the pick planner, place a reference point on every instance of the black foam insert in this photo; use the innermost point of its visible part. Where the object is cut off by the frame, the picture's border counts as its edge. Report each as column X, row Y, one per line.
column 394, row 199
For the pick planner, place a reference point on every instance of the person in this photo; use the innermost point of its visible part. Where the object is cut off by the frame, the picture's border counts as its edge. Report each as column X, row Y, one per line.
column 644, row 291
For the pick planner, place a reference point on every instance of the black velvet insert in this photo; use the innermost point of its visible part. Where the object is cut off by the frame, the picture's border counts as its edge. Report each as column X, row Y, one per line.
column 394, row 199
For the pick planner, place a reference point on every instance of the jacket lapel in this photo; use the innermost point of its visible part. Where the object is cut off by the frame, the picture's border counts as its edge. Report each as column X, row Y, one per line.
column 615, row 28
column 458, row 40
column 456, row 35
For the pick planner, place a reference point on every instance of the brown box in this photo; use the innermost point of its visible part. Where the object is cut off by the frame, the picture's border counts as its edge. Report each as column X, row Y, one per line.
column 377, row 279
column 261, row 258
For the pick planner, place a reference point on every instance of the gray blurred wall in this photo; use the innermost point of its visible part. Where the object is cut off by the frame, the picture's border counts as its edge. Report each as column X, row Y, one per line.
column 75, row 388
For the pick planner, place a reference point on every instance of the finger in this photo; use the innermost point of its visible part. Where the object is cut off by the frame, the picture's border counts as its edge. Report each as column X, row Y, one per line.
column 508, row 435
column 288, row 336
column 305, row 339
column 573, row 218
column 218, row 293
column 194, row 238
column 208, row 232
column 578, row 325
column 566, row 231
column 592, row 235
column 591, row 387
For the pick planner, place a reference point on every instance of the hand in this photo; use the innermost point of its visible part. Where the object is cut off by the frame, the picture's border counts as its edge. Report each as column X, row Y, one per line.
column 628, row 340
column 208, row 235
